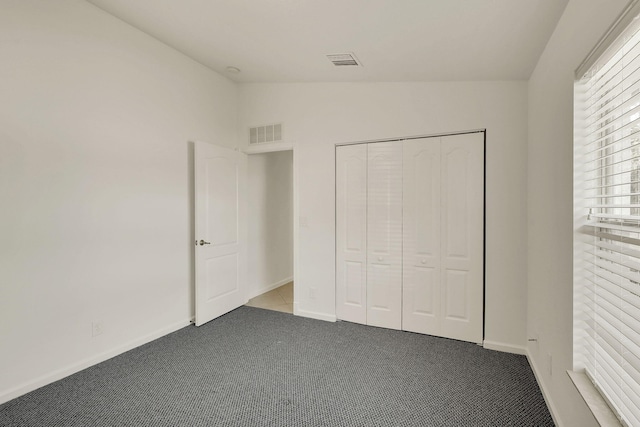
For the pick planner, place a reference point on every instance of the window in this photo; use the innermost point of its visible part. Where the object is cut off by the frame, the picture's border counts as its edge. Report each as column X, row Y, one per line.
column 607, row 219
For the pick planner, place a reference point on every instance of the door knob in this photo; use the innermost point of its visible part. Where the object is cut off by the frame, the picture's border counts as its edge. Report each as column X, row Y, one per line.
column 202, row 243
column 379, row 258
column 424, row 261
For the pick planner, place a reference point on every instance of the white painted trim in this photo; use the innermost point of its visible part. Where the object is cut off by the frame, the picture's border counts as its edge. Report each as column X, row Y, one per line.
column 268, row 147
column 295, row 304
column 507, row 348
column 545, row 392
column 314, row 315
column 404, row 138
column 83, row 364
column 271, row 287
column 296, row 230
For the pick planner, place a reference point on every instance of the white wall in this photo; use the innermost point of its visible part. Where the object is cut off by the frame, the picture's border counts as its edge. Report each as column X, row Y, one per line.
column 550, row 201
column 270, row 194
column 95, row 223
column 316, row 116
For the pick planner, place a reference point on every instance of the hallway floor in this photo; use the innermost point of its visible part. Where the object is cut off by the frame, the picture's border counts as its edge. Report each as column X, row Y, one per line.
column 278, row 299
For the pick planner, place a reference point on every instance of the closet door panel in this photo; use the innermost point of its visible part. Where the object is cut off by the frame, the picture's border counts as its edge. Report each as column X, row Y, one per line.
column 384, row 235
column 351, row 233
column 462, row 221
column 421, row 236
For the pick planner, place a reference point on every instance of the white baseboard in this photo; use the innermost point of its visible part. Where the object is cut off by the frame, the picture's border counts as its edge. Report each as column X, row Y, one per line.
column 35, row 384
column 313, row 315
column 271, row 287
column 507, row 348
column 543, row 389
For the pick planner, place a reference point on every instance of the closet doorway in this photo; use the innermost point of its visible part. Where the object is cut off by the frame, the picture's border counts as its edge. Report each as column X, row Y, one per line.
column 410, row 234
column 270, row 250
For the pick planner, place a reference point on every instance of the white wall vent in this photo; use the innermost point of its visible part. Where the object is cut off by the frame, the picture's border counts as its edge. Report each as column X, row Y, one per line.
column 344, row 59
column 267, row 133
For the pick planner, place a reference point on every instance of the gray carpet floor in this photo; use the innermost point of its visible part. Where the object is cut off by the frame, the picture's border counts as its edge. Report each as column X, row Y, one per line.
column 254, row 367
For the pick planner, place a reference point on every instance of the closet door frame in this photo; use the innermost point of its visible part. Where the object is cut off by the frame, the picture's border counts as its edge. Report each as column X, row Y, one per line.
column 484, row 173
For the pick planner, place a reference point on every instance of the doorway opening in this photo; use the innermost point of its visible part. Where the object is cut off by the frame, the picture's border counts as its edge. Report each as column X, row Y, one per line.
column 278, row 299
column 270, row 231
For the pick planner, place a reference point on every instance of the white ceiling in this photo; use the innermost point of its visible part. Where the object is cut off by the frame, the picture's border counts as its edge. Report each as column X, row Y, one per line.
column 396, row 40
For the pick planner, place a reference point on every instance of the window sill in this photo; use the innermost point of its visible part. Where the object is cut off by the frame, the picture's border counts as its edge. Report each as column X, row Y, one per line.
column 594, row 400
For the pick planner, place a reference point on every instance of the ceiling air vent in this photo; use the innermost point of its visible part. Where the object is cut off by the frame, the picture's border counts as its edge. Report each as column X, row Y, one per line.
column 344, row 59
column 267, row 133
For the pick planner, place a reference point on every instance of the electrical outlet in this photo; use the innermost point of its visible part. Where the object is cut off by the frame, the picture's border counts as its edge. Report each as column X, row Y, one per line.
column 550, row 364
column 96, row 329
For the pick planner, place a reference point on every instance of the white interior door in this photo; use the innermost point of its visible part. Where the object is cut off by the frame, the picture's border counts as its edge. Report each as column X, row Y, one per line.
column 384, row 235
column 351, row 233
column 462, row 236
column 220, row 227
column 443, row 236
column 421, row 236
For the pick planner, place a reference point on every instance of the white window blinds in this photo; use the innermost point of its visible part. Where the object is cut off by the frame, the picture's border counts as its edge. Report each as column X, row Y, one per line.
column 607, row 224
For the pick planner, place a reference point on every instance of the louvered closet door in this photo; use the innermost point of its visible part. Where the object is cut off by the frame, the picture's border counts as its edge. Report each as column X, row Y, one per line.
column 351, row 233
column 384, row 235
column 462, row 236
column 421, row 308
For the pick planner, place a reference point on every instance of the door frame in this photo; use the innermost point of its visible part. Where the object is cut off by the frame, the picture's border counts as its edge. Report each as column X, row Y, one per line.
column 273, row 147
column 256, row 149
column 406, row 138
column 484, row 205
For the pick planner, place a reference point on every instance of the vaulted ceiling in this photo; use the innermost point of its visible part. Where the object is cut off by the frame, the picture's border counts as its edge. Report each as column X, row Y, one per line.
column 395, row 40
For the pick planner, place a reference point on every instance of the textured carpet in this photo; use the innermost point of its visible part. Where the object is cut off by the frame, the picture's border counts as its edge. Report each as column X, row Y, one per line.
column 254, row 367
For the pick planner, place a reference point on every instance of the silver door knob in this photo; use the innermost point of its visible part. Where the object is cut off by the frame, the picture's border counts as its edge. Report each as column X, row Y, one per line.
column 424, row 261
column 202, row 243
column 379, row 258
